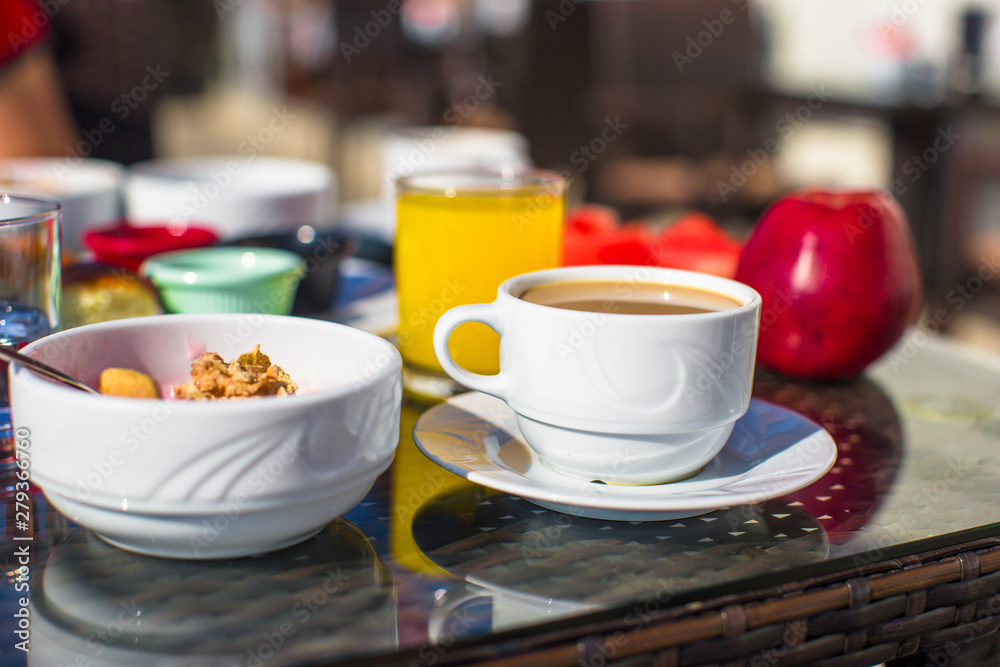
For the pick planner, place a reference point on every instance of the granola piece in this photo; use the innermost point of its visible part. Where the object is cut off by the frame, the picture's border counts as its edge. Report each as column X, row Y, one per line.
column 276, row 381
column 254, row 360
column 127, row 382
column 209, row 375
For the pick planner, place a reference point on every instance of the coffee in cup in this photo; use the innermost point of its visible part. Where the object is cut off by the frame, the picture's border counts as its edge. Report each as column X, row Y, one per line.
column 620, row 374
column 639, row 298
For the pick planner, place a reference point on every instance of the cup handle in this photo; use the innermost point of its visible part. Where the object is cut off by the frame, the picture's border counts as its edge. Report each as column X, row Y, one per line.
column 485, row 313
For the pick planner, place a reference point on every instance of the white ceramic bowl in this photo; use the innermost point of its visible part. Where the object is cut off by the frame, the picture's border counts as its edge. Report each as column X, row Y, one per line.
column 210, row 479
column 234, row 196
column 88, row 190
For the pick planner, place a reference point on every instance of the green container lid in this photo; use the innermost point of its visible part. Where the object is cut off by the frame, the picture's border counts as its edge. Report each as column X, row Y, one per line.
column 226, row 280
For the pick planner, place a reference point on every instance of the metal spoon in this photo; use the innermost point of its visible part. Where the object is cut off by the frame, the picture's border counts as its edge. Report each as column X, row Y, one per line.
column 9, row 354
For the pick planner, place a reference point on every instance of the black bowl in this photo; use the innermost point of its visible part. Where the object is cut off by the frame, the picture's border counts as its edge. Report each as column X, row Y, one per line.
column 322, row 251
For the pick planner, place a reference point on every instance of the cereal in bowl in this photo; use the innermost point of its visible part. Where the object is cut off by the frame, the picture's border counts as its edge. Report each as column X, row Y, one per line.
column 252, row 374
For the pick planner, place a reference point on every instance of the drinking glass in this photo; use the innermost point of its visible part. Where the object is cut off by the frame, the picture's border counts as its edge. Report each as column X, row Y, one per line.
column 29, row 283
column 460, row 233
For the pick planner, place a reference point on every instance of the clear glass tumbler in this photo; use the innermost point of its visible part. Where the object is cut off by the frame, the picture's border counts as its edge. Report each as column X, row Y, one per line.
column 29, row 283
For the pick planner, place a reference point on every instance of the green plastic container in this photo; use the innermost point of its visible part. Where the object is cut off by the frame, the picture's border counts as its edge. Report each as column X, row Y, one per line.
column 226, row 280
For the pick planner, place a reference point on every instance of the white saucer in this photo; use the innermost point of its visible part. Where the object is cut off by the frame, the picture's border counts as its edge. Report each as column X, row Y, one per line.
column 772, row 451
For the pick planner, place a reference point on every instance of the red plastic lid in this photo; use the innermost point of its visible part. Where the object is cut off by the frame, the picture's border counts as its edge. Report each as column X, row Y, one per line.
column 128, row 246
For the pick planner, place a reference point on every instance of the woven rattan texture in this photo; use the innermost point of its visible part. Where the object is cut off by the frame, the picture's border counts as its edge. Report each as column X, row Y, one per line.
column 930, row 602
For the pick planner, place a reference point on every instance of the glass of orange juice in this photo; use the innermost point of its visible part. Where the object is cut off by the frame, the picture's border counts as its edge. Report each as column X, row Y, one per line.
column 459, row 234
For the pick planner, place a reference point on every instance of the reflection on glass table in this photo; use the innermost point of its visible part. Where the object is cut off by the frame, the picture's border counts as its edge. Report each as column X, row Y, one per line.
column 533, row 562
column 331, row 595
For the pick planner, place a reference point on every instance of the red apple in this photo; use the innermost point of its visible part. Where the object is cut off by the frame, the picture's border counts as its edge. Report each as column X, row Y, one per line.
column 839, row 278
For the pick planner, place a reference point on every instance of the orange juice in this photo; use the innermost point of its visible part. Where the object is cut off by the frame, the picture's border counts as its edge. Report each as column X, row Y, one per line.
column 455, row 248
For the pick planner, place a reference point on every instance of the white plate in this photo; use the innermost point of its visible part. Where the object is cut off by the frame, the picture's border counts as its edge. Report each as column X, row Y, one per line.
column 771, row 452
column 89, row 190
column 234, row 195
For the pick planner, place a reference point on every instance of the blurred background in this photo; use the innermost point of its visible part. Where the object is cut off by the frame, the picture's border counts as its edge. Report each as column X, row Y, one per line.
column 653, row 107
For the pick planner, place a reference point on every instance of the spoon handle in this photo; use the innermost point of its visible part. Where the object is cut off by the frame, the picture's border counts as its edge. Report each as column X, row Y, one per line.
column 10, row 354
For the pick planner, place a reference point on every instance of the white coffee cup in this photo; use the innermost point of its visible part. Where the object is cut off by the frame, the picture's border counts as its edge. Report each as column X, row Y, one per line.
column 619, row 398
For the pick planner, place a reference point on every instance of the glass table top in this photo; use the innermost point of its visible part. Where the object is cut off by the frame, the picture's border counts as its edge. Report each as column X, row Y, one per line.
column 429, row 559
